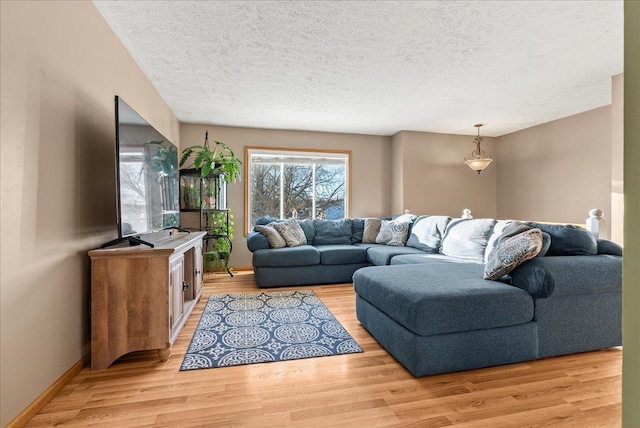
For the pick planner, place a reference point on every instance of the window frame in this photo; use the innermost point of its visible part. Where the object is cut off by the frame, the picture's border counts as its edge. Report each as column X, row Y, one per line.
column 293, row 150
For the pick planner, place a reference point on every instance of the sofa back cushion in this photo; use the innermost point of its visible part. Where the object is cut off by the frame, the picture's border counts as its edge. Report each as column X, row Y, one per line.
column 332, row 232
column 427, row 232
column 309, row 230
column 263, row 221
column 357, row 230
column 568, row 239
column 467, row 238
column 371, row 230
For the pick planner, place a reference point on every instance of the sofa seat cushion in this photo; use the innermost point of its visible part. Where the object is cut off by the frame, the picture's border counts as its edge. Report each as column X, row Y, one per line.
column 341, row 254
column 381, row 255
column 412, row 259
column 430, row 299
column 302, row 255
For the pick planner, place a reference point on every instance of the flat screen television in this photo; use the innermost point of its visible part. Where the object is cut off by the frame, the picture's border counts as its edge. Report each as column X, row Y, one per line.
column 147, row 178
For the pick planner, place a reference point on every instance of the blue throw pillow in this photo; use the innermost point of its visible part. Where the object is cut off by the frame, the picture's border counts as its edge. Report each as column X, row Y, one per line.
column 332, row 232
column 568, row 239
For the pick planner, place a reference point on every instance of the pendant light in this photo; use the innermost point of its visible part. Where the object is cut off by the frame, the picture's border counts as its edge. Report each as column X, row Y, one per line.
column 478, row 161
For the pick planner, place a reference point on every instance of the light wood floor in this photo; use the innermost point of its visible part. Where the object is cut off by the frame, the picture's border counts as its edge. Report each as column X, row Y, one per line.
column 356, row 390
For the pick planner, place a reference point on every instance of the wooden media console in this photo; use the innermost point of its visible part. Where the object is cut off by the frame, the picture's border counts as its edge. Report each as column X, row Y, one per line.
column 142, row 296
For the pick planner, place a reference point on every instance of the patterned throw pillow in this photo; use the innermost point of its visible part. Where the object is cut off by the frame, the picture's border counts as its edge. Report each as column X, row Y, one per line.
column 274, row 238
column 371, row 230
column 512, row 252
column 291, row 232
column 393, row 233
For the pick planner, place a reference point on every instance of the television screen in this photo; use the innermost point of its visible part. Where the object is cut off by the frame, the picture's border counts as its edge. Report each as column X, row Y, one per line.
column 147, row 175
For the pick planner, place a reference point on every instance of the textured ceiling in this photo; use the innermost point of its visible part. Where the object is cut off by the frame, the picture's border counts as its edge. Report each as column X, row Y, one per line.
column 375, row 67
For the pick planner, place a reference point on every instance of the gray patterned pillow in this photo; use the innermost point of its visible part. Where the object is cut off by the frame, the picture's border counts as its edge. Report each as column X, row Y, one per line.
column 291, row 232
column 512, row 252
column 274, row 238
column 371, row 230
column 393, row 233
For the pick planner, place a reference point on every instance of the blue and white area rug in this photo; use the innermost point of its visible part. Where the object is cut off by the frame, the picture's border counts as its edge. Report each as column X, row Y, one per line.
column 261, row 327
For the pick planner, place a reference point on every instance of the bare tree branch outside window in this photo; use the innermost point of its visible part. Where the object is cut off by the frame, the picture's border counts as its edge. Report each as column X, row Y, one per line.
column 295, row 182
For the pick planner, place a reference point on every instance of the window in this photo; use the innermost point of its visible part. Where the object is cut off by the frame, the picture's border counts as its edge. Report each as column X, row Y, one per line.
column 302, row 184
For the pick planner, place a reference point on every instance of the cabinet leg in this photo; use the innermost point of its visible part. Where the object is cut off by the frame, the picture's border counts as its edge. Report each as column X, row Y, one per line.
column 164, row 354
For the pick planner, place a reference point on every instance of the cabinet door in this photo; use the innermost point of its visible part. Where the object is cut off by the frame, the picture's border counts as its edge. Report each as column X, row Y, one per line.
column 176, row 299
column 197, row 274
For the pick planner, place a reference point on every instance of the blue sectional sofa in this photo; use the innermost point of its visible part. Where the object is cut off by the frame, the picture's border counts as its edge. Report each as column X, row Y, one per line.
column 334, row 251
column 430, row 307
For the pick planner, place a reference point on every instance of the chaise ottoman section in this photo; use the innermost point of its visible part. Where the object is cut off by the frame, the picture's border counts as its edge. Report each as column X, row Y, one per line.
column 434, row 299
column 445, row 353
column 434, row 319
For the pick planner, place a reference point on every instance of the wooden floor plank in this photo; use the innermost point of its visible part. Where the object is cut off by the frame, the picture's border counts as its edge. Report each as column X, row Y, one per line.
column 369, row 389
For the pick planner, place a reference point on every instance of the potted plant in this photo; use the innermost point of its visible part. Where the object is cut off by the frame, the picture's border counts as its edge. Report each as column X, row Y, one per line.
column 220, row 159
column 218, row 252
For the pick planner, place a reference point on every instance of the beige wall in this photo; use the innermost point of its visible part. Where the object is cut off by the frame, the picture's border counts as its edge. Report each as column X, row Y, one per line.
column 61, row 66
column 435, row 180
column 371, row 168
column 617, row 162
column 556, row 171
column 631, row 267
column 397, row 174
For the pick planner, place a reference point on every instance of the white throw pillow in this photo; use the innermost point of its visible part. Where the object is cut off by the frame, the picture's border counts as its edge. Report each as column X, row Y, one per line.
column 467, row 238
column 427, row 231
column 393, row 233
column 493, row 239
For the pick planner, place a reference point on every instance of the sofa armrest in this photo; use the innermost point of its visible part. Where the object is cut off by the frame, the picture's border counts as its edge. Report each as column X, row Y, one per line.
column 569, row 275
column 608, row 247
column 257, row 241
